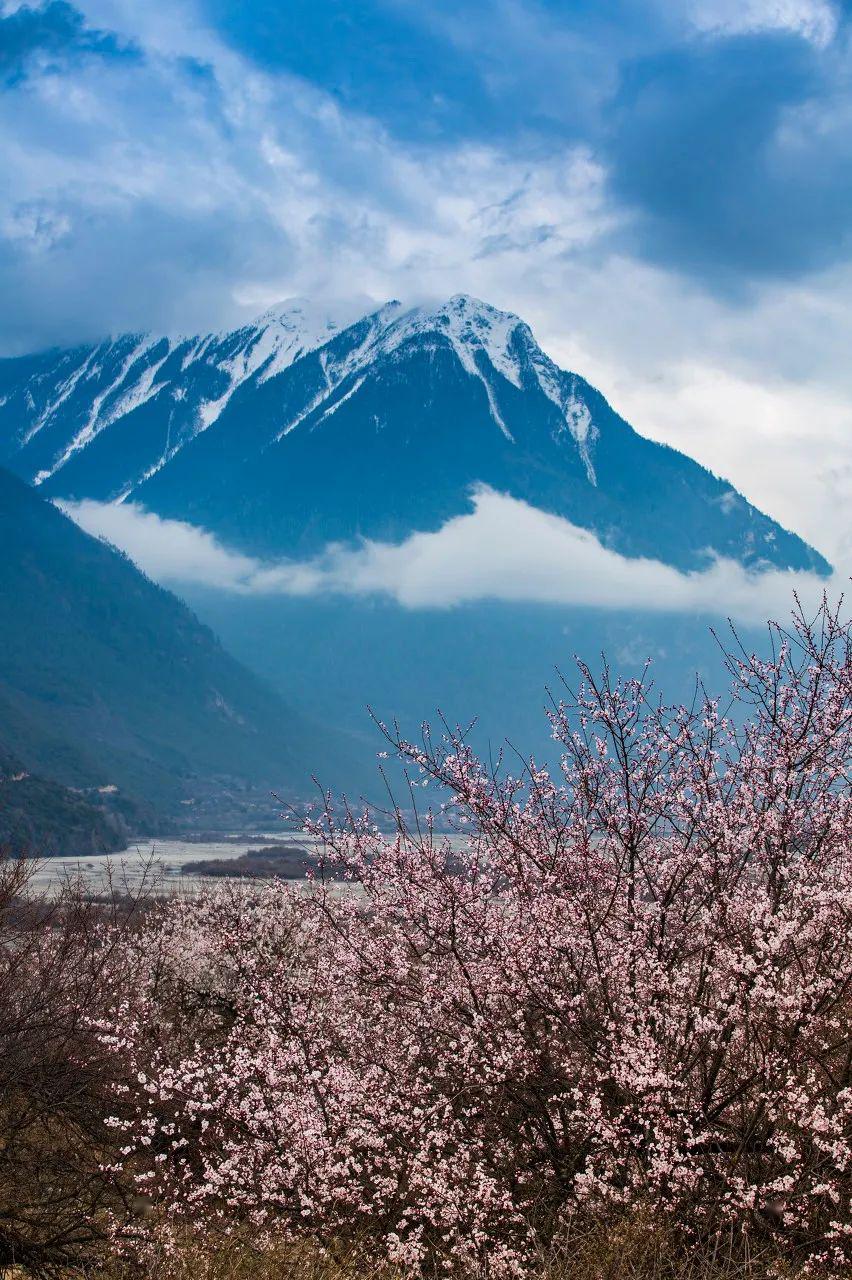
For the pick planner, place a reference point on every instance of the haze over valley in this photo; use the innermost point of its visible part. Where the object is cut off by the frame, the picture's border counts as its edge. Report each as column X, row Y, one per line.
column 414, row 512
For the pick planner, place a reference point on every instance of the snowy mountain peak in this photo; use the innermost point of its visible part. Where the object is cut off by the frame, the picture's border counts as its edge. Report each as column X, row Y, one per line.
column 265, row 348
column 258, row 433
column 463, row 310
column 194, row 380
column 286, row 332
column 470, row 325
column 475, row 329
column 465, row 307
column 299, row 316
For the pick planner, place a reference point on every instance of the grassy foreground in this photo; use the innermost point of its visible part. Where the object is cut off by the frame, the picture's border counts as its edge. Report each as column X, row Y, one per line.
column 633, row 1249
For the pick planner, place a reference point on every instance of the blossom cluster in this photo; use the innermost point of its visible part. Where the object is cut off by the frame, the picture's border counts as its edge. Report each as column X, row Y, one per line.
column 624, row 983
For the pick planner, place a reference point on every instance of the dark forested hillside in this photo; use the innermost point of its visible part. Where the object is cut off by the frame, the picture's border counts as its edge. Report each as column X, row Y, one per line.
column 39, row 817
column 108, row 680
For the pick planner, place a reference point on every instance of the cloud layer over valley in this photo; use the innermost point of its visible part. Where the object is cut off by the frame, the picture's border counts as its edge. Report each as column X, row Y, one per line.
column 503, row 550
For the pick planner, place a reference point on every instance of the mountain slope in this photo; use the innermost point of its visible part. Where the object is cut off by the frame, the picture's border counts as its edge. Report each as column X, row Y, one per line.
column 39, row 817
column 290, row 433
column 108, row 680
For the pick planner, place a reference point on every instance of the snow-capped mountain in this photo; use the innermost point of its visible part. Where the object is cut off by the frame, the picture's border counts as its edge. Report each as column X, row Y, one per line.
column 293, row 432
column 71, row 397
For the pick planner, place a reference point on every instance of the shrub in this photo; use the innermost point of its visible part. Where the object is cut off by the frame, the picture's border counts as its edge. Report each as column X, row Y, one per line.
column 622, row 988
column 62, row 960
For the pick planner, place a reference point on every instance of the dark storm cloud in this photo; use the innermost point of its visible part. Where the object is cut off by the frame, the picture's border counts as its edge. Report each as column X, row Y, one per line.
column 737, row 153
column 144, row 173
column 730, row 143
column 86, row 272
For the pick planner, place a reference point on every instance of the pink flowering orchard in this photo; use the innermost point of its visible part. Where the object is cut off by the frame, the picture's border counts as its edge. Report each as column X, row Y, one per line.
column 620, row 986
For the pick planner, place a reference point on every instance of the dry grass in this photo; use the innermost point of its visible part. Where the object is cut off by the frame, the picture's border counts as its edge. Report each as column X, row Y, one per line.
column 219, row 1257
column 633, row 1249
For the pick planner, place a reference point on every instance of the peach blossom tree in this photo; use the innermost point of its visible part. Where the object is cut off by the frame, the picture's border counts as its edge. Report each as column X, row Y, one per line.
column 554, row 996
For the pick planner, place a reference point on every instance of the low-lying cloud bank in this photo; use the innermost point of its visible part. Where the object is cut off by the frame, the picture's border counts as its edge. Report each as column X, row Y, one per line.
column 502, row 550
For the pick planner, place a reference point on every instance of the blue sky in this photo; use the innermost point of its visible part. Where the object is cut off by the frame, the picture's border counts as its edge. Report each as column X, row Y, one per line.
column 664, row 190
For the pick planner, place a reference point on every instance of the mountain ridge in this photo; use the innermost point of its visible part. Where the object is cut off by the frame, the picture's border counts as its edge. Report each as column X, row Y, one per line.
column 109, row 681
column 295, row 431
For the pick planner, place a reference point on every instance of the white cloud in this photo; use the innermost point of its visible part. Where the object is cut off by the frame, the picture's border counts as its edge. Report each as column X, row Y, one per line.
column 787, row 446
column 759, row 393
column 148, row 194
column 814, row 20
column 190, row 199
column 168, row 551
column 503, row 550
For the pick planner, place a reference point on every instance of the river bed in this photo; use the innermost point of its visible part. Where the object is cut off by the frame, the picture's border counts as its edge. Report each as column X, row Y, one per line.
column 155, row 862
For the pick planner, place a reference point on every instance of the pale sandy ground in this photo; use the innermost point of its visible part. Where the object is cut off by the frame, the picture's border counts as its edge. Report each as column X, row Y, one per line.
column 157, row 861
